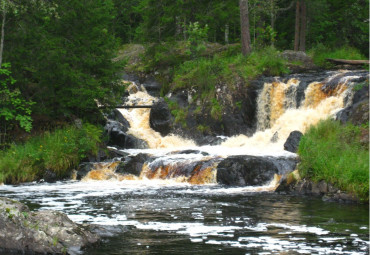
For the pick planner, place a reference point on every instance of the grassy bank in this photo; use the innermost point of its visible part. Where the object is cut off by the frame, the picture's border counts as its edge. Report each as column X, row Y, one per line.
column 333, row 152
column 321, row 52
column 58, row 152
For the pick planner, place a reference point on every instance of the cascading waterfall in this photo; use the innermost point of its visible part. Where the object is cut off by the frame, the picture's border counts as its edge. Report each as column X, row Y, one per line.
column 279, row 112
column 139, row 121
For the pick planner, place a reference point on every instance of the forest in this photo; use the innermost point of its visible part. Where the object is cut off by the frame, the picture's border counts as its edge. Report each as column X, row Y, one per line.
column 51, row 50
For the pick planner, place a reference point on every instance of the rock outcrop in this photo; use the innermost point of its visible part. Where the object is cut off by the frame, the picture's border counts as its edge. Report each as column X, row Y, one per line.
column 160, row 117
column 133, row 165
column 292, row 183
column 43, row 232
column 119, row 138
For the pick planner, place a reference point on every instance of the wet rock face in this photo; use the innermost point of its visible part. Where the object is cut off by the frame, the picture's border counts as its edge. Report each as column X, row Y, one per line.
column 44, row 232
column 292, row 142
column 119, row 138
column 358, row 111
column 133, row 165
column 252, row 170
column 161, row 118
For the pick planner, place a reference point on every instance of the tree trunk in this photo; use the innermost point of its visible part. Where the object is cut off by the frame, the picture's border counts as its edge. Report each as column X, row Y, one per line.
column 2, row 34
column 244, row 27
column 302, row 36
column 226, row 33
column 296, row 35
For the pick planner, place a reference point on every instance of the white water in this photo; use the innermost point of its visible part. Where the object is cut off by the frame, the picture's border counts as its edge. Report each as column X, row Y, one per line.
column 277, row 115
column 211, row 215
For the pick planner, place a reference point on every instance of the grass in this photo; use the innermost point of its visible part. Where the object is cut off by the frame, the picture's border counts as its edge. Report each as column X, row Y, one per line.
column 58, row 152
column 321, row 52
column 333, row 152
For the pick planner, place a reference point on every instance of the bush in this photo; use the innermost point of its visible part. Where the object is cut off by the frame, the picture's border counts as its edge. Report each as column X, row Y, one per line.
column 59, row 152
column 333, row 152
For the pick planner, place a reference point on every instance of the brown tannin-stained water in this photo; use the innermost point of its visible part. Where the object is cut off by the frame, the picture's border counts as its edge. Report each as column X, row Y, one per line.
column 176, row 206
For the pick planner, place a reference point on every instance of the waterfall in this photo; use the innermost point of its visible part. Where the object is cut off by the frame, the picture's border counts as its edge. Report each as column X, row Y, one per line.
column 278, row 116
column 139, row 121
column 280, row 110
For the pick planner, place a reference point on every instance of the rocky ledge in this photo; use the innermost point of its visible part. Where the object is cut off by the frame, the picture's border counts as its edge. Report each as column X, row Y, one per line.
column 44, row 232
column 292, row 183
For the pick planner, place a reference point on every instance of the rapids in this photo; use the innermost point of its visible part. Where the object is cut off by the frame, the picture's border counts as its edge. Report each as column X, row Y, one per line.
column 176, row 206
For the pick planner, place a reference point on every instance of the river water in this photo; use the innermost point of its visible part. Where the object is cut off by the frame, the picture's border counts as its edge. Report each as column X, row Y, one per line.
column 155, row 213
column 165, row 217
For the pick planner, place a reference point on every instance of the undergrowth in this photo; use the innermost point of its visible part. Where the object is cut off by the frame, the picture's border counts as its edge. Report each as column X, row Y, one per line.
column 320, row 53
column 205, row 73
column 333, row 152
column 58, row 152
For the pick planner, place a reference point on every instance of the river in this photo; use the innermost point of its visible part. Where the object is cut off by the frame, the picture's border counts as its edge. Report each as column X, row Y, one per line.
column 164, row 217
column 176, row 206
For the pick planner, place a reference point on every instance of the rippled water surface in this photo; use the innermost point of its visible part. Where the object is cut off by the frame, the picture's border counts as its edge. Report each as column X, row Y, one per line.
column 151, row 217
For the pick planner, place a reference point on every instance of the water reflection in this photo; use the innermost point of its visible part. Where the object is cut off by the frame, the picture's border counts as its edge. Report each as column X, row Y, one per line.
column 144, row 218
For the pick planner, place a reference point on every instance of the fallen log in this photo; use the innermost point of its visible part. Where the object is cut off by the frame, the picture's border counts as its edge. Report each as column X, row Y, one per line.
column 347, row 61
column 125, row 106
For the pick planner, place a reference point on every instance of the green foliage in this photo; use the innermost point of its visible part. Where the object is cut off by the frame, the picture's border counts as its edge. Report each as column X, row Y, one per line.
column 321, row 52
column 216, row 109
column 13, row 107
column 268, row 61
column 204, row 73
column 178, row 112
column 164, row 55
column 59, row 152
column 62, row 55
column 197, row 36
column 333, row 152
column 200, row 73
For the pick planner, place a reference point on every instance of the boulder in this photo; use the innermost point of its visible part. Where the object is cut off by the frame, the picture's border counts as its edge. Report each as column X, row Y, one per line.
column 119, row 138
column 119, row 117
column 43, row 232
column 245, row 171
column 292, row 142
column 133, row 164
column 161, row 118
column 84, row 169
column 298, row 61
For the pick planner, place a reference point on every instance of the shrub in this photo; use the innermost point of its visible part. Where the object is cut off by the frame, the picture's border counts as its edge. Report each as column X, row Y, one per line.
column 333, row 152
column 58, row 151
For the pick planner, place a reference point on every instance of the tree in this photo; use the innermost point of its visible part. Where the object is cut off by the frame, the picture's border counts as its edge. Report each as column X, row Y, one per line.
column 244, row 27
column 300, row 26
column 62, row 56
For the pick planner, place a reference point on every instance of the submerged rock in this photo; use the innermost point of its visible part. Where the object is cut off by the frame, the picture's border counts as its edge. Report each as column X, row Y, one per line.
column 292, row 142
column 45, row 232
